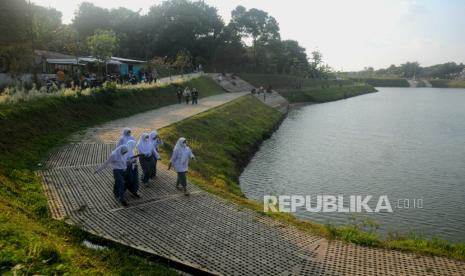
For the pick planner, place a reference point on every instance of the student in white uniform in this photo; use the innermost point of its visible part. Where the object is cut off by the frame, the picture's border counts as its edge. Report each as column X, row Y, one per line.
column 125, row 137
column 180, row 160
column 156, row 141
column 146, row 156
column 132, row 183
column 118, row 162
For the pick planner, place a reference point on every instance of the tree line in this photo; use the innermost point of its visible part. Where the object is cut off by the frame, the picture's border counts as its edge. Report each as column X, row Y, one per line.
column 181, row 33
column 448, row 70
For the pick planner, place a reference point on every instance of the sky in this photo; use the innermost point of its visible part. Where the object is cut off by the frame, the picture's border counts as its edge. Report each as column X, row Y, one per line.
column 350, row 34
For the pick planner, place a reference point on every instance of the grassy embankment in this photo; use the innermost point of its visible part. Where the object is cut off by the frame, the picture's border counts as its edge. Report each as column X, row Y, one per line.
column 385, row 82
column 309, row 90
column 221, row 154
column 30, row 241
column 331, row 93
column 288, row 81
column 448, row 83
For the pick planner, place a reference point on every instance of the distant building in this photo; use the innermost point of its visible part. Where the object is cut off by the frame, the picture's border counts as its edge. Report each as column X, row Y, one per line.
column 51, row 62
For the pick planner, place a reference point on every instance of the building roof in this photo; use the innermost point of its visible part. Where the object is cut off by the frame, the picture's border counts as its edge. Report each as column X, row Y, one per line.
column 52, row 55
column 127, row 60
column 58, row 58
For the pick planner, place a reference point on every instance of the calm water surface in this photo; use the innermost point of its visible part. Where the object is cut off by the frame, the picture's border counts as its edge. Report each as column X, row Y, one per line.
column 406, row 143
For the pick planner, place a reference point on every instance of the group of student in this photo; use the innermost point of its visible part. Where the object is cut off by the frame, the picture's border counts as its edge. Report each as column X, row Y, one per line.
column 187, row 94
column 123, row 161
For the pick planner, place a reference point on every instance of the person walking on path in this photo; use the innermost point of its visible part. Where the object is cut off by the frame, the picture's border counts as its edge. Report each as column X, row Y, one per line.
column 187, row 94
column 119, row 163
column 146, row 156
column 179, row 94
column 132, row 183
column 156, row 141
column 195, row 95
column 125, row 137
column 180, row 160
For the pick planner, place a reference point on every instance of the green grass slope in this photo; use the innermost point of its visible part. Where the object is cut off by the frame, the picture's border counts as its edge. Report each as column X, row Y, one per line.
column 224, row 139
column 448, row 83
column 384, row 82
column 289, row 81
column 31, row 242
column 333, row 93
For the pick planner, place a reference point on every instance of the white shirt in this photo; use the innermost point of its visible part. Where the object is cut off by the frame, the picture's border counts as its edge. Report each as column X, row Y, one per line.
column 180, row 158
column 117, row 161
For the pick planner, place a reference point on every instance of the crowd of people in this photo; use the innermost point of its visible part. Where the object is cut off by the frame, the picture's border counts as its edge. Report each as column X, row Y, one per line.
column 76, row 79
column 187, row 94
column 123, row 161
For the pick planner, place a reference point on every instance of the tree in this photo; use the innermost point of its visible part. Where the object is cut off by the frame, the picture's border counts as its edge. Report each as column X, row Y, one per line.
column 128, row 27
column 180, row 24
column 183, row 60
column 46, row 22
column 15, row 28
column 102, row 44
column 89, row 18
column 410, row 69
column 257, row 25
column 317, row 69
column 65, row 40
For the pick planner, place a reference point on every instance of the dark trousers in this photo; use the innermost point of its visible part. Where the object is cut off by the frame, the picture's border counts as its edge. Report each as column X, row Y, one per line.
column 182, row 179
column 120, row 183
column 194, row 100
column 154, row 171
column 179, row 99
column 147, row 165
column 132, row 183
column 187, row 100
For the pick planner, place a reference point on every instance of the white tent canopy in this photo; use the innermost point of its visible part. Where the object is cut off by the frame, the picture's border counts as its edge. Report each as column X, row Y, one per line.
column 85, row 60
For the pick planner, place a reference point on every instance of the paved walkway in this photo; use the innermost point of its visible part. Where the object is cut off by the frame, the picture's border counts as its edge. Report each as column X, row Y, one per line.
column 150, row 120
column 202, row 230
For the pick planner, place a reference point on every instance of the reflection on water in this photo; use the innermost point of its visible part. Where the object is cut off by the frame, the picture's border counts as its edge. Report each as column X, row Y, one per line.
column 406, row 143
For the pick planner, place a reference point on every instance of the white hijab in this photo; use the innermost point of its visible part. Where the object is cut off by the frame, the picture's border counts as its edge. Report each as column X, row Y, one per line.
column 126, row 131
column 179, row 149
column 152, row 135
column 180, row 144
column 144, row 147
column 125, row 137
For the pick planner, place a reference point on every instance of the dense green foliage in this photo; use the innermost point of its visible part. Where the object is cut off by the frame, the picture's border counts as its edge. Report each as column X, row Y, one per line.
column 385, row 82
column 332, row 93
column 32, row 243
column 102, row 44
column 289, row 81
column 448, row 70
column 448, row 83
column 169, row 28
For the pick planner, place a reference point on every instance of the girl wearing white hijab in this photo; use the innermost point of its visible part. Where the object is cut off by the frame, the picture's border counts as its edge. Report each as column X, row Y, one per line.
column 156, row 141
column 125, row 137
column 180, row 160
column 146, row 156
column 132, row 183
column 118, row 162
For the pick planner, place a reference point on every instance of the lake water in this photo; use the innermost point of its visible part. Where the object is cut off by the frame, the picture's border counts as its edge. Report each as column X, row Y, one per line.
column 405, row 143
